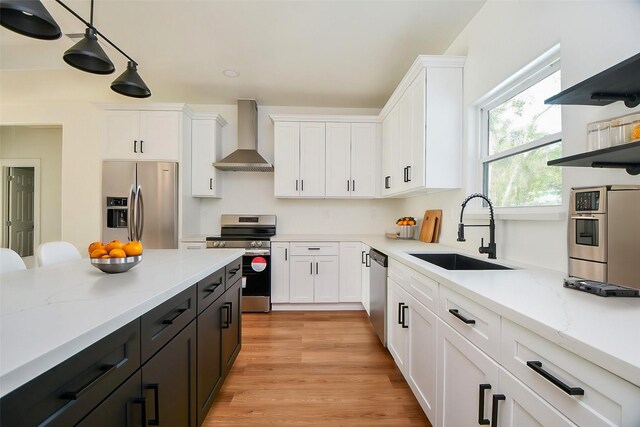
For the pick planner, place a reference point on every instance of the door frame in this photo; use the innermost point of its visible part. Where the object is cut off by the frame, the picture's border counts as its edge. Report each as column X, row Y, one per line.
column 27, row 163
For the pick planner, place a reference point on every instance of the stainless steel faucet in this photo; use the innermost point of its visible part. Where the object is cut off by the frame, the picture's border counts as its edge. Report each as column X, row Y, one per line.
column 491, row 249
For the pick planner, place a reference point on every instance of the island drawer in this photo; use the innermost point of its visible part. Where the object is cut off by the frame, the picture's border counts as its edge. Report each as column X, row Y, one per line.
column 66, row 393
column 315, row 248
column 210, row 289
column 475, row 322
column 585, row 393
column 421, row 287
column 164, row 322
column 233, row 272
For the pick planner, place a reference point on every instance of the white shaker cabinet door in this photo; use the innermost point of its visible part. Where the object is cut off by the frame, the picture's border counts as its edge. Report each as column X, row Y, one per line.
column 350, row 271
column 280, row 272
column 390, row 150
column 338, row 167
column 363, row 159
column 286, row 159
column 327, row 284
column 416, row 148
column 122, row 130
column 397, row 327
column 205, row 142
column 160, row 135
column 301, row 279
column 312, row 159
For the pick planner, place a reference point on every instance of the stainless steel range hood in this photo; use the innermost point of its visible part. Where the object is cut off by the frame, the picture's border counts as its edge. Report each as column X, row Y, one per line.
column 246, row 158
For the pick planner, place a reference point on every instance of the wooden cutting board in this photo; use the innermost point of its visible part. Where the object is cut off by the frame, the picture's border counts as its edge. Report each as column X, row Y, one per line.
column 430, row 230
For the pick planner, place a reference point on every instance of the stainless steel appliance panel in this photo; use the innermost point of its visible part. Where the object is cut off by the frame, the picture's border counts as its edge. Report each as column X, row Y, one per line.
column 624, row 238
column 378, row 294
column 588, row 237
column 117, row 180
column 588, row 269
column 159, row 184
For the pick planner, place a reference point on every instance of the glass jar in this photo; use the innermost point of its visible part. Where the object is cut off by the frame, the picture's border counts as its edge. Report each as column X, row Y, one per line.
column 631, row 124
column 598, row 136
column 618, row 134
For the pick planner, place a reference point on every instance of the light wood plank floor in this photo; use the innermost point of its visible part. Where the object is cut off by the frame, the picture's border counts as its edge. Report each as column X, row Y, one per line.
column 314, row 369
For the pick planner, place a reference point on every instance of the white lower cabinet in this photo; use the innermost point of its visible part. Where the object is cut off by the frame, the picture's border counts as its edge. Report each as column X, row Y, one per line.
column 314, row 279
column 365, row 266
column 327, row 279
column 350, row 271
column 279, row 272
column 397, row 328
column 301, row 278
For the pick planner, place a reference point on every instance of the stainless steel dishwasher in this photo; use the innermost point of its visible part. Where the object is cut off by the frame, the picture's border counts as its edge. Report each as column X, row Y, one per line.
column 378, row 294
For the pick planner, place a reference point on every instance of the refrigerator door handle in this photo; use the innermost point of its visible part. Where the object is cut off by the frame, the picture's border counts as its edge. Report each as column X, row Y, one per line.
column 131, row 215
column 139, row 213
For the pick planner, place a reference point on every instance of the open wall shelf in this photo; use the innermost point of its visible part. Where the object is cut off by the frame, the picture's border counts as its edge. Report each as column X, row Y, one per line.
column 625, row 156
column 618, row 83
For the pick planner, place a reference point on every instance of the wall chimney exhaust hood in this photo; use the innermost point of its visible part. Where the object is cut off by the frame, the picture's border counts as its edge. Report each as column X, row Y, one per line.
column 246, row 158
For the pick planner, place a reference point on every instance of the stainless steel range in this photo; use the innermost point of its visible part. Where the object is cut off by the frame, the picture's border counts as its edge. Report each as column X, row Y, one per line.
column 252, row 233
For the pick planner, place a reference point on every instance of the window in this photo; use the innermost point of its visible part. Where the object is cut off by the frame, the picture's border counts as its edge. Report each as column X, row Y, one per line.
column 519, row 134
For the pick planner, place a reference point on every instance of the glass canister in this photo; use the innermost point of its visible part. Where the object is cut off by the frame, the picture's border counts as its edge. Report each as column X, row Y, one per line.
column 598, row 135
column 631, row 124
column 617, row 131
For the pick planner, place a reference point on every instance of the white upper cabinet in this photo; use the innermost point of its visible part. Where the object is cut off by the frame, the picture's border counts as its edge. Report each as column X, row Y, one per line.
column 326, row 156
column 422, row 129
column 143, row 135
column 206, row 148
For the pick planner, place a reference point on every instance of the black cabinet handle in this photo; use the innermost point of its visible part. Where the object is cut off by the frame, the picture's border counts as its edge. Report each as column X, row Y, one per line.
column 302, row 185
column 368, row 260
column 233, row 272
column 347, row 185
column 317, row 271
column 285, row 253
column 105, row 371
column 313, row 249
column 572, row 391
column 362, row 257
column 209, row 290
column 455, row 312
column 173, row 319
column 353, row 185
column 387, row 182
column 141, row 141
column 156, row 404
column 494, row 408
column 225, row 322
column 143, row 405
column 400, row 304
column 311, row 268
column 230, row 313
column 481, row 419
column 404, row 317
column 296, row 185
column 210, row 183
column 408, row 173
column 135, row 146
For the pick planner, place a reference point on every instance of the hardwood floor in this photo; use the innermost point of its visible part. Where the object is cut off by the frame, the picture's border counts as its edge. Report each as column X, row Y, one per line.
column 314, row 369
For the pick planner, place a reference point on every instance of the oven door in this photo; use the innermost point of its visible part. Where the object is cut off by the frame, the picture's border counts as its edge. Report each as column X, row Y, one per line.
column 588, row 237
column 256, row 293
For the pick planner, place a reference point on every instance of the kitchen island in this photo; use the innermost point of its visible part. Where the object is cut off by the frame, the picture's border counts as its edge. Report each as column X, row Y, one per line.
column 51, row 314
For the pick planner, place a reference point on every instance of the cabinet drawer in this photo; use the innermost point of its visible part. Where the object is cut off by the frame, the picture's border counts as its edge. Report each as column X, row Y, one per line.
column 210, row 288
column 233, row 272
column 477, row 323
column 164, row 322
column 599, row 397
column 192, row 245
column 421, row 287
column 315, row 248
column 66, row 393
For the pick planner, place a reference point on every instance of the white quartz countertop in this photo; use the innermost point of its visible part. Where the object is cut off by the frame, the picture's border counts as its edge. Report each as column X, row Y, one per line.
column 605, row 331
column 48, row 314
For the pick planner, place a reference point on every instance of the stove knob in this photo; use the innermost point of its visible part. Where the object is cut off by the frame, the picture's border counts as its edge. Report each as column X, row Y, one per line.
column 253, row 244
column 215, row 244
column 222, row 244
column 259, row 244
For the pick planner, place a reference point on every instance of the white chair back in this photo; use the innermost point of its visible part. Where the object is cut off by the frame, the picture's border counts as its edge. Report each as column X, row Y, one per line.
column 10, row 261
column 54, row 252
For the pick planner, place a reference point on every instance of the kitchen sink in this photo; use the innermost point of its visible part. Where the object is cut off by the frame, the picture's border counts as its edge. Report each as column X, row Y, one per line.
column 459, row 262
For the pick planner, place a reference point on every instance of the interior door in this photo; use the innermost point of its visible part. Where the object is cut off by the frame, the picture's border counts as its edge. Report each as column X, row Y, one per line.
column 21, row 206
column 159, row 184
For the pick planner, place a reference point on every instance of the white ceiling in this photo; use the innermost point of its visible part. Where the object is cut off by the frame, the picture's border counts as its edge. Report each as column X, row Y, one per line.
column 299, row 53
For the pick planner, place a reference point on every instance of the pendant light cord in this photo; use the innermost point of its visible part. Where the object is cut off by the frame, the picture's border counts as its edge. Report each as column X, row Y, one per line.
column 90, row 25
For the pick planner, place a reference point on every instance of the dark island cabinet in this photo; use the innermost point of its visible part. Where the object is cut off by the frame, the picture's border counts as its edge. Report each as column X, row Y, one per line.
column 162, row 369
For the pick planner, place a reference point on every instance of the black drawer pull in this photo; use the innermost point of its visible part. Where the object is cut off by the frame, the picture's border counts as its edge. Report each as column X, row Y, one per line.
column 105, row 370
column 143, row 403
column 455, row 312
column 233, row 272
column 404, row 316
column 156, row 404
column 494, row 408
column 313, row 249
column 362, row 258
column 173, row 319
column 368, row 260
column 400, row 304
column 481, row 419
column 572, row 391
column 230, row 313
column 210, row 289
column 225, row 322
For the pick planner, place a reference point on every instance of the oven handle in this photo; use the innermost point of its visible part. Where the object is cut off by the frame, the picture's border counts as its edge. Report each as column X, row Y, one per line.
column 257, row 252
column 585, row 217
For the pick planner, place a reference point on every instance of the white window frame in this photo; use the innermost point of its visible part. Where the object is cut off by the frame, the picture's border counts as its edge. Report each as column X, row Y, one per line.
column 532, row 74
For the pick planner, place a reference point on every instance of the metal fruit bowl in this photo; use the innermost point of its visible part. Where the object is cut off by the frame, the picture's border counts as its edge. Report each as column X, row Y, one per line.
column 116, row 265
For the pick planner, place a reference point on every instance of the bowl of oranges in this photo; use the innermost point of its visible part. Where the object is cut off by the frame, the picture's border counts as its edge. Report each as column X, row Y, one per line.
column 115, row 256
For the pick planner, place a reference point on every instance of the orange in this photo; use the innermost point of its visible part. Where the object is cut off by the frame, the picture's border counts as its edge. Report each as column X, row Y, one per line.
column 95, row 245
column 114, row 244
column 105, row 256
column 132, row 248
column 117, row 253
column 97, row 253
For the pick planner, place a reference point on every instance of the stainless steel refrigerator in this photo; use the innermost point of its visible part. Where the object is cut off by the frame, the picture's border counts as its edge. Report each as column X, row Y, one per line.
column 140, row 202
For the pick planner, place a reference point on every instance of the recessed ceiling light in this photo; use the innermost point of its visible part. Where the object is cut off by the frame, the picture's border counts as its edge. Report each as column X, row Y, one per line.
column 231, row 73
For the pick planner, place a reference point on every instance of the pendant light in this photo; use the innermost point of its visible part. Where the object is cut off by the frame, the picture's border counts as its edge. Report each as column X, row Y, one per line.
column 29, row 18
column 87, row 55
column 130, row 83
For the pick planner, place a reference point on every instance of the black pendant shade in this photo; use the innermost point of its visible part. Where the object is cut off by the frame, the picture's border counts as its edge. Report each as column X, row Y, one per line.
column 87, row 55
column 130, row 83
column 29, row 18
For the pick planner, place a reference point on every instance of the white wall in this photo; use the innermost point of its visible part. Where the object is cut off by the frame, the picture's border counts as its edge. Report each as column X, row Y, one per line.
column 252, row 192
column 44, row 143
column 501, row 39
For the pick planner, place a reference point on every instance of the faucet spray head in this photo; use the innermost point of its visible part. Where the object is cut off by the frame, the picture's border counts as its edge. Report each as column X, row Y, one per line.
column 461, row 233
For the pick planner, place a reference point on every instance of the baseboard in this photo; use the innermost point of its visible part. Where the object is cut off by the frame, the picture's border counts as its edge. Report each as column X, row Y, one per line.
column 317, row 307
